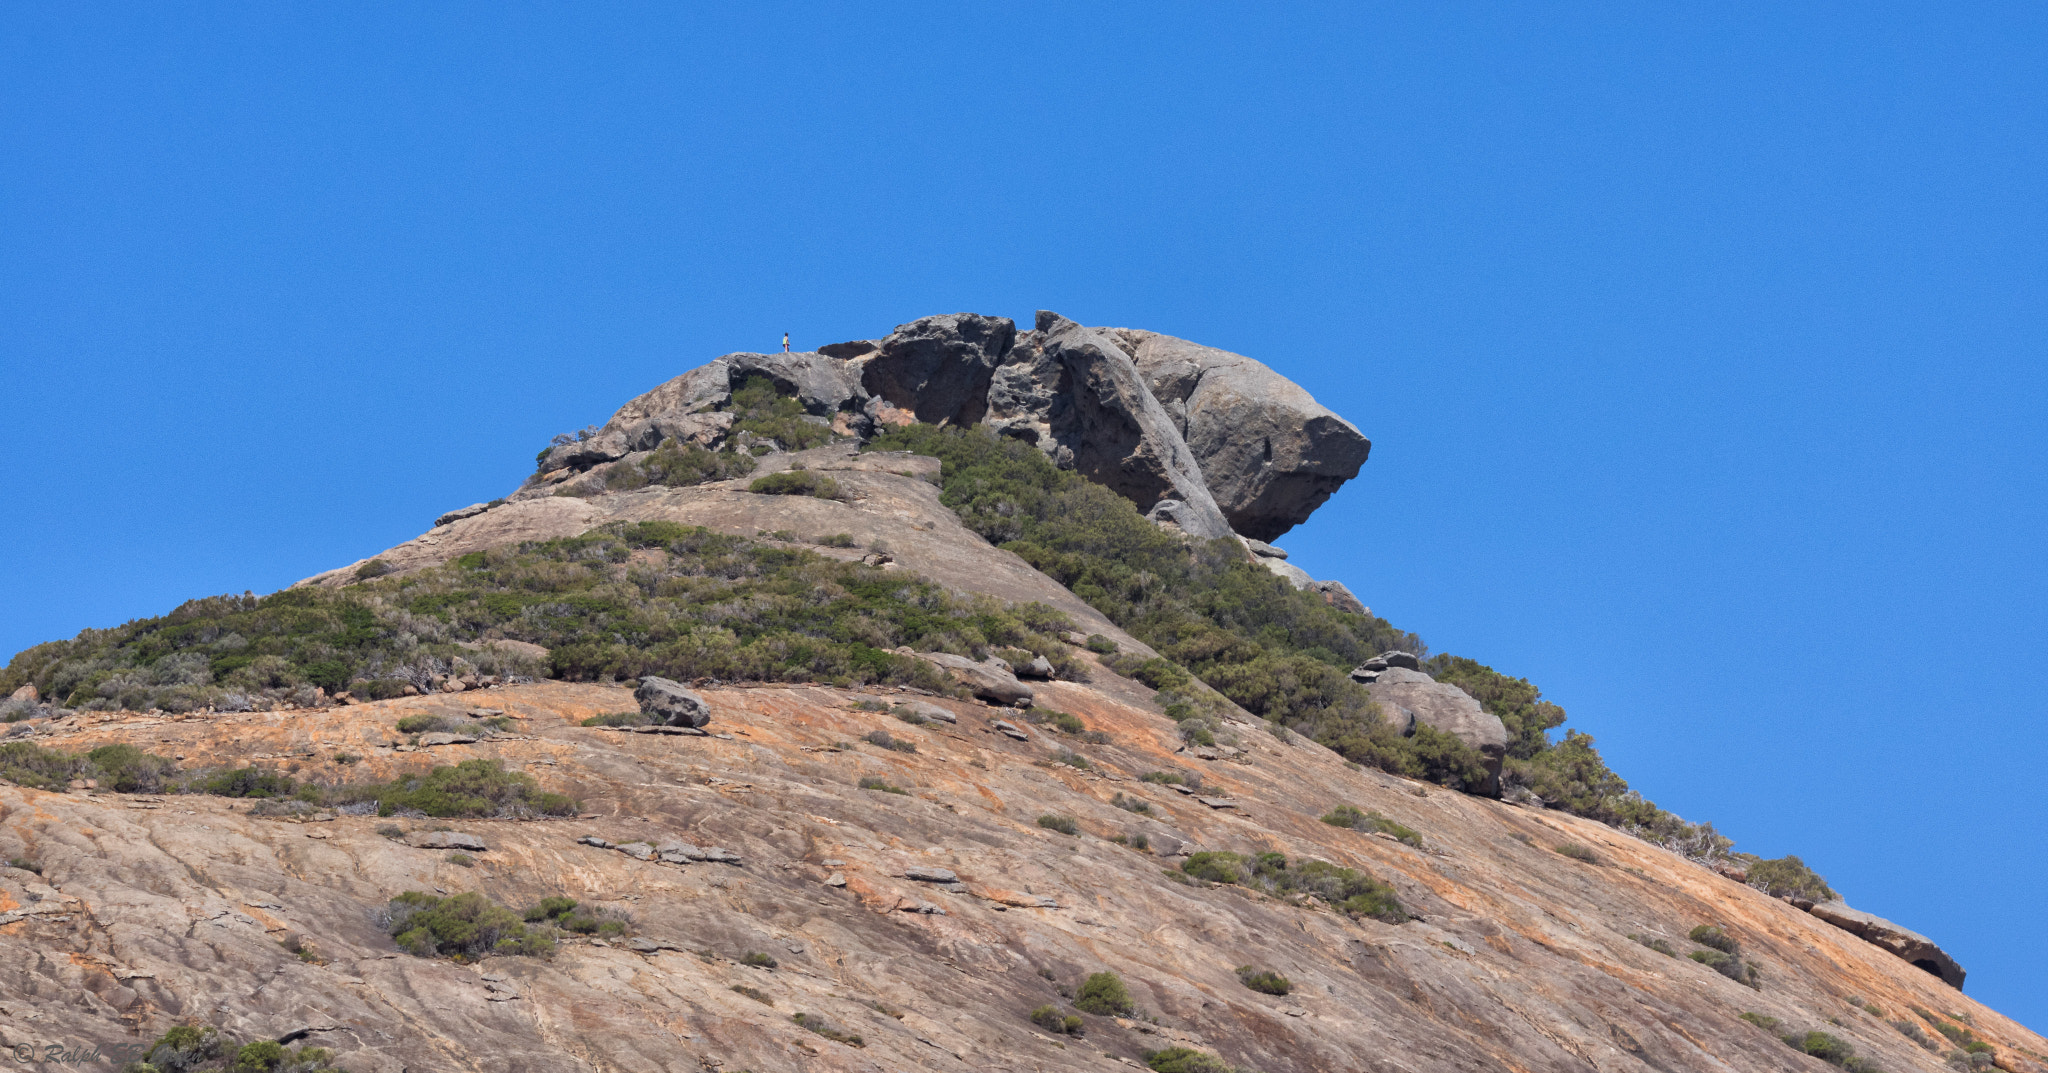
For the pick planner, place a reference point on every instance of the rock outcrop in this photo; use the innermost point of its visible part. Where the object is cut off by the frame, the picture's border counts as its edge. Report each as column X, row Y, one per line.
column 1908, row 945
column 1271, row 454
column 939, row 367
column 1201, row 439
column 1074, row 393
column 1407, row 697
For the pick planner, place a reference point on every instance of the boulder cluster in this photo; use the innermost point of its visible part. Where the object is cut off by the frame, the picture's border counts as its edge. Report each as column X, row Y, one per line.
column 1407, row 695
column 1209, row 441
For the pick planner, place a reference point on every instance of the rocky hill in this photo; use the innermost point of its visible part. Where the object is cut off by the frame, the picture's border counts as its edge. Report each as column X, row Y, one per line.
column 1127, row 790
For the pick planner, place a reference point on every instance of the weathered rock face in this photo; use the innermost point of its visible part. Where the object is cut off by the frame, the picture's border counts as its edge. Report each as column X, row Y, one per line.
column 1407, row 697
column 944, row 904
column 1076, row 395
column 1271, row 454
column 939, row 367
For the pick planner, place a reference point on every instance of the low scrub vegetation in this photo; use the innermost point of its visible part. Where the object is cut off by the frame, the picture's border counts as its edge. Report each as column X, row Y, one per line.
column 796, row 482
column 753, row 993
column 760, row 408
column 885, row 740
column 1830, row 1049
column 693, row 604
column 1104, row 994
column 828, row 1029
column 1723, row 955
column 1278, row 652
column 1577, row 852
column 1052, row 1020
column 878, row 783
column 1371, row 823
column 1264, row 981
column 197, row 1049
column 1346, row 889
column 1186, row 1060
column 567, row 914
column 1063, row 824
column 758, row 960
column 464, row 927
column 1787, row 877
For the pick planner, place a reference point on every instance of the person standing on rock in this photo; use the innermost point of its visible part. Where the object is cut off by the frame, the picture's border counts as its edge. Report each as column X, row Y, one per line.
column 785, row 342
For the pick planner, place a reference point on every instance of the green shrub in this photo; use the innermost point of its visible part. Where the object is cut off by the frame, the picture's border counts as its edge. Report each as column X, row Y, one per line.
column 1052, row 1020
column 1763, row 1021
column 375, row 568
column 1789, row 877
column 1131, row 804
column 427, row 724
column 38, row 768
column 1371, row 823
column 1711, row 935
column 759, row 960
column 753, row 993
column 25, row 865
column 1820, row 1045
column 1577, row 852
column 1071, row 759
column 676, row 466
column 796, row 482
column 1163, row 778
column 1657, row 944
column 128, row 770
column 1104, row 993
column 1100, row 645
column 837, row 540
column 1264, row 981
column 461, row 859
column 828, row 1029
column 759, row 407
column 1185, row 1060
column 1728, row 965
column 1063, row 824
column 477, row 787
column 883, row 739
column 463, row 926
column 619, row 719
column 248, row 782
column 195, row 1049
column 876, row 782
column 1346, row 889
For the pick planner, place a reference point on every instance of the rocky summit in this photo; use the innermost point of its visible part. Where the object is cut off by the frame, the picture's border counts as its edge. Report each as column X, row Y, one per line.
column 931, row 701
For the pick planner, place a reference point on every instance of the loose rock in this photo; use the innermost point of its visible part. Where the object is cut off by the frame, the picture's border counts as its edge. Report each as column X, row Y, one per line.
column 671, row 703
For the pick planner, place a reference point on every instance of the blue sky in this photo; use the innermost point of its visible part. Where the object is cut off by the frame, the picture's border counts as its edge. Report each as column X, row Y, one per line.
column 1702, row 347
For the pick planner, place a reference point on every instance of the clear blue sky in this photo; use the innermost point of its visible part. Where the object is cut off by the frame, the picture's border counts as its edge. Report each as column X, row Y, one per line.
column 1702, row 348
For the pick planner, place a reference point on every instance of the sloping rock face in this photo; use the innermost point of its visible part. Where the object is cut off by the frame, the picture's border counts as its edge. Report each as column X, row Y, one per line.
column 1407, row 697
column 155, row 911
column 1271, row 454
column 1073, row 392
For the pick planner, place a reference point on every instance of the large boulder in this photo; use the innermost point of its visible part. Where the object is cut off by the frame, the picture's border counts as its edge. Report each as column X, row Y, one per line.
column 1910, row 946
column 670, row 703
column 1074, row 393
column 939, row 367
column 1407, row 697
column 1271, row 454
column 991, row 679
